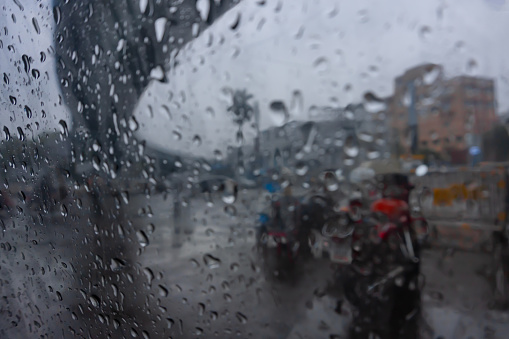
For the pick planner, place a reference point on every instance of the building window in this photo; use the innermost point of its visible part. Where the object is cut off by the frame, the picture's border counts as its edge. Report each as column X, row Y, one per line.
column 424, row 143
column 459, row 138
column 436, row 141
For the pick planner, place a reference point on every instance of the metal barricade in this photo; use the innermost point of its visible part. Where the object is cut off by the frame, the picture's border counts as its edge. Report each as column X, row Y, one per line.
column 466, row 197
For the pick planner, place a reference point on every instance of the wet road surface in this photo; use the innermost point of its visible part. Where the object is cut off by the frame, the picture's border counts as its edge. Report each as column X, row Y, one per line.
column 137, row 271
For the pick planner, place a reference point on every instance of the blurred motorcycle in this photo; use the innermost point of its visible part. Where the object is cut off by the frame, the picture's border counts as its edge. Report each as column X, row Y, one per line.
column 279, row 233
column 383, row 283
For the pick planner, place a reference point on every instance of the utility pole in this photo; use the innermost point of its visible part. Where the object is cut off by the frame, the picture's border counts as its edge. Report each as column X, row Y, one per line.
column 413, row 119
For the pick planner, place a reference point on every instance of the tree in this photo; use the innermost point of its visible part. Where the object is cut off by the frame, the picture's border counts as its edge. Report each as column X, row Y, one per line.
column 241, row 109
column 242, row 113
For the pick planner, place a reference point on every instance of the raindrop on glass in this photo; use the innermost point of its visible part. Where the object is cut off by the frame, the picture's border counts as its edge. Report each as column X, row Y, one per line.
column 203, row 7
column 159, row 26
column 142, row 238
column 211, row 262
column 133, row 124
column 63, row 128
column 351, row 148
column 28, row 112
column 95, row 301
column 36, row 26
column 197, row 140
column 241, row 318
column 26, row 63
column 321, row 65
column 57, row 14
column 35, row 73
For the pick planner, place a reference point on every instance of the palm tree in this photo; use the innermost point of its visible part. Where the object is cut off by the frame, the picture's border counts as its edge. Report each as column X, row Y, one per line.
column 241, row 109
column 242, row 113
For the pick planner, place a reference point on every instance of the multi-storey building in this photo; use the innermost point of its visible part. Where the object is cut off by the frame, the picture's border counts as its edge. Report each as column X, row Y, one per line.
column 447, row 116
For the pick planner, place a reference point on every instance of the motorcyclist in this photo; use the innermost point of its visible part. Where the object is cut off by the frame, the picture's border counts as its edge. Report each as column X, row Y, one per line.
column 285, row 210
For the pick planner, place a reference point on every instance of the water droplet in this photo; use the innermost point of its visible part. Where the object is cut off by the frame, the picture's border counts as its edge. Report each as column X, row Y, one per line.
column 431, row 76
column 80, row 107
column 365, row 136
column 197, row 140
column 373, row 155
column 13, row 99
column 177, row 135
column 28, row 112
column 149, row 274
column 234, row 267
column 35, row 73
column 321, row 65
column 21, row 135
column 7, row 134
column 163, row 291
column 63, row 128
column 20, row 6
column 142, row 238
column 421, row 170
column 36, row 26
column 96, row 146
column 26, row 63
column 218, row 155
column 159, row 26
column 280, row 114
column 373, row 104
column 472, row 67
column 166, row 111
column 229, row 192
column 170, row 322
column 230, row 210
column 95, row 301
column 63, row 210
column 297, row 104
column 143, row 5
column 425, row 33
column 351, row 148
column 6, row 79
column 203, row 7
column 331, row 182
column 57, row 14
column 43, row 56
column 241, row 318
column 117, row 264
column 133, row 124
column 301, row 169
column 157, row 73
column 211, row 261
column 209, row 111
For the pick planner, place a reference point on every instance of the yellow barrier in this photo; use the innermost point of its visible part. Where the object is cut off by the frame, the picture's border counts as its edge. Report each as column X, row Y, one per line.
column 442, row 197
column 445, row 196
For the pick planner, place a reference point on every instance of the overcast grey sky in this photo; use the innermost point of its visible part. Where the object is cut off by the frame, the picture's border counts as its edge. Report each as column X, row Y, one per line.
column 330, row 51
column 322, row 48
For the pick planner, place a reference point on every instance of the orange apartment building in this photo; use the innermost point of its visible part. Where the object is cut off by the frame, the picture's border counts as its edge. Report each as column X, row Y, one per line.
column 448, row 116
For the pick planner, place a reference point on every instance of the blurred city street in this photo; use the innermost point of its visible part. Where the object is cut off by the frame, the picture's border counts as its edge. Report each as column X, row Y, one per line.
column 203, row 274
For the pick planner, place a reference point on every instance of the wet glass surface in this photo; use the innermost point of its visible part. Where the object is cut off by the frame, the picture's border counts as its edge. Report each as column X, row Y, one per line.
column 254, row 169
